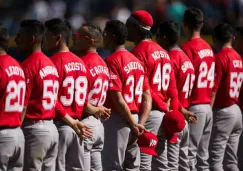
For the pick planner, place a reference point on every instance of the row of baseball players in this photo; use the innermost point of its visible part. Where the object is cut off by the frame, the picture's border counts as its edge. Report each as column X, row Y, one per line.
column 53, row 95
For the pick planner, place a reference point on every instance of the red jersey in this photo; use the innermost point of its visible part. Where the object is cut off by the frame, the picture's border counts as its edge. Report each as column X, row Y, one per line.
column 228, row 77
column 184, row 74
column 41, row 86
column 159, row 73
column 12, row 92
column 73, row 87
column 127, row 76
column 99, row 78
column 202, row 57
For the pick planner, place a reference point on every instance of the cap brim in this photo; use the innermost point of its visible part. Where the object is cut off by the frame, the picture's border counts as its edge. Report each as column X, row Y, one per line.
column 148, row 151
column 173, row 139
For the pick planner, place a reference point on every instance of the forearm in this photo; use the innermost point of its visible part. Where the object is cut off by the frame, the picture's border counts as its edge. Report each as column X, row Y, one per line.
column 212, row 99
column 90, row 109
column 145, row 108
column 68, row 119
column 23, row 113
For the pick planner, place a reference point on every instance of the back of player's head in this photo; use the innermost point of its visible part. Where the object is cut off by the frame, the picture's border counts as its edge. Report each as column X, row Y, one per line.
column 171, row 30
column 4, row 37
column 223, row 32
column 119, row 30
column 34, row 27
column 94, row 31
column 59, row 27
column 193, row 19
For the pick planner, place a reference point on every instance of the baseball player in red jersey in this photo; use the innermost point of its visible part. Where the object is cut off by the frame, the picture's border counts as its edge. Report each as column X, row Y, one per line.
column 86, row 39
column 238, row 47
column 227, row 116
column 12, row 90
column 73, row 92
column 128, row 92
column 168, row 36
column 41, row 136
column 202, row 57
column 161, row 78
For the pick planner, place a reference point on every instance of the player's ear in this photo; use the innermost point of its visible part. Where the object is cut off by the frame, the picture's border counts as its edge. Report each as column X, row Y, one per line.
column 59, row 37
column 33, row 39
column 233, row 39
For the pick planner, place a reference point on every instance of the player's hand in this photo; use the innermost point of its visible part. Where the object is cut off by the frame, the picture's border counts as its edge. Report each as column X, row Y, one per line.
column 168, row 105
column 190, row 116
column 138, row 129
column 82, row 130
column 103, row 112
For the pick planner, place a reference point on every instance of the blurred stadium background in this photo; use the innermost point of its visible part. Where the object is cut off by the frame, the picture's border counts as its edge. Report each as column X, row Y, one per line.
column 100, row 11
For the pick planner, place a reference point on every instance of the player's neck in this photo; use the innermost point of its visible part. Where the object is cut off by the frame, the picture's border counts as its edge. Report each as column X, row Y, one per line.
column 141, row 39
column 119, row 47
column 2, row 52
column 174, row 47
column 227, row 45
column 62, row 48
column 35, row 48
column 194, row 35
column 89, row 50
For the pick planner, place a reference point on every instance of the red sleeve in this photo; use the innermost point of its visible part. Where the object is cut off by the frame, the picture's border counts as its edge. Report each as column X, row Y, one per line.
column 29, row 75
column 115, row 80
column 218, row 73
column 172, row 92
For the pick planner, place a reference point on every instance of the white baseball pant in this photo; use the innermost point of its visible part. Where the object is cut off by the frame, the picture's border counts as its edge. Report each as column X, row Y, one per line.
column 70, row 149
column 11, row 149
column 41, row 145
column 227, row 128
column 93, row 146
column 153, row 124
column 121, row 151
column 199, row 137
column 178, row 153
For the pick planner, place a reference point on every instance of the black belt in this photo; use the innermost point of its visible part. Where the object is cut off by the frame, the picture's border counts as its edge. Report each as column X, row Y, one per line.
column 7, row 127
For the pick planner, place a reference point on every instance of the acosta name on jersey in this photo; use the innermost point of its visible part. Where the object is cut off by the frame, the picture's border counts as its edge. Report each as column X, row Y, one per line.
column 186, row 65
column 14, row 70
column 205, row 53
column 99, row 69
column 75, row 66
column 160, row 54
column 48, row 70
column 133, row 66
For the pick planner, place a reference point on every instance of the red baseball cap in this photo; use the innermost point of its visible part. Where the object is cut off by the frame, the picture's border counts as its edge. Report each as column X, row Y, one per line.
column 147, row 143
column 173, row 123
column 142, row 18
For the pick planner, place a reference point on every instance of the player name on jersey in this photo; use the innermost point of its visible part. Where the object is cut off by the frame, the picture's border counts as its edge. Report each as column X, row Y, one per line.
column 205, row 53
column 160, row 54
column 186, row 65
column 99, row 69
column 237, row 64
column 14, row 70
column 75, row 66
column 133, row 66
column 48, row 70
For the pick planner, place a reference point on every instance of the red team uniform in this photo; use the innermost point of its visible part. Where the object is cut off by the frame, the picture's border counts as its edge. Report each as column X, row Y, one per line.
column 12, row 92
column 41, row 94
column 159, row 72
column 128, row 77
column 202, row 58
column 72, row 96
column 162, row 83
column 98, row 86
column 184, row 74
column 227, row 121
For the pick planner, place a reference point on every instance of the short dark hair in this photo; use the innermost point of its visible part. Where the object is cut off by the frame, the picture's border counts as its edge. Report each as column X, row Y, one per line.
column 4, row 37
column 193, row 18
column 145, row 34
column 94, row 31
column 60, row 26
column 119, row 29
column 223, row 32
column 34, row 27
column 171, row 30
